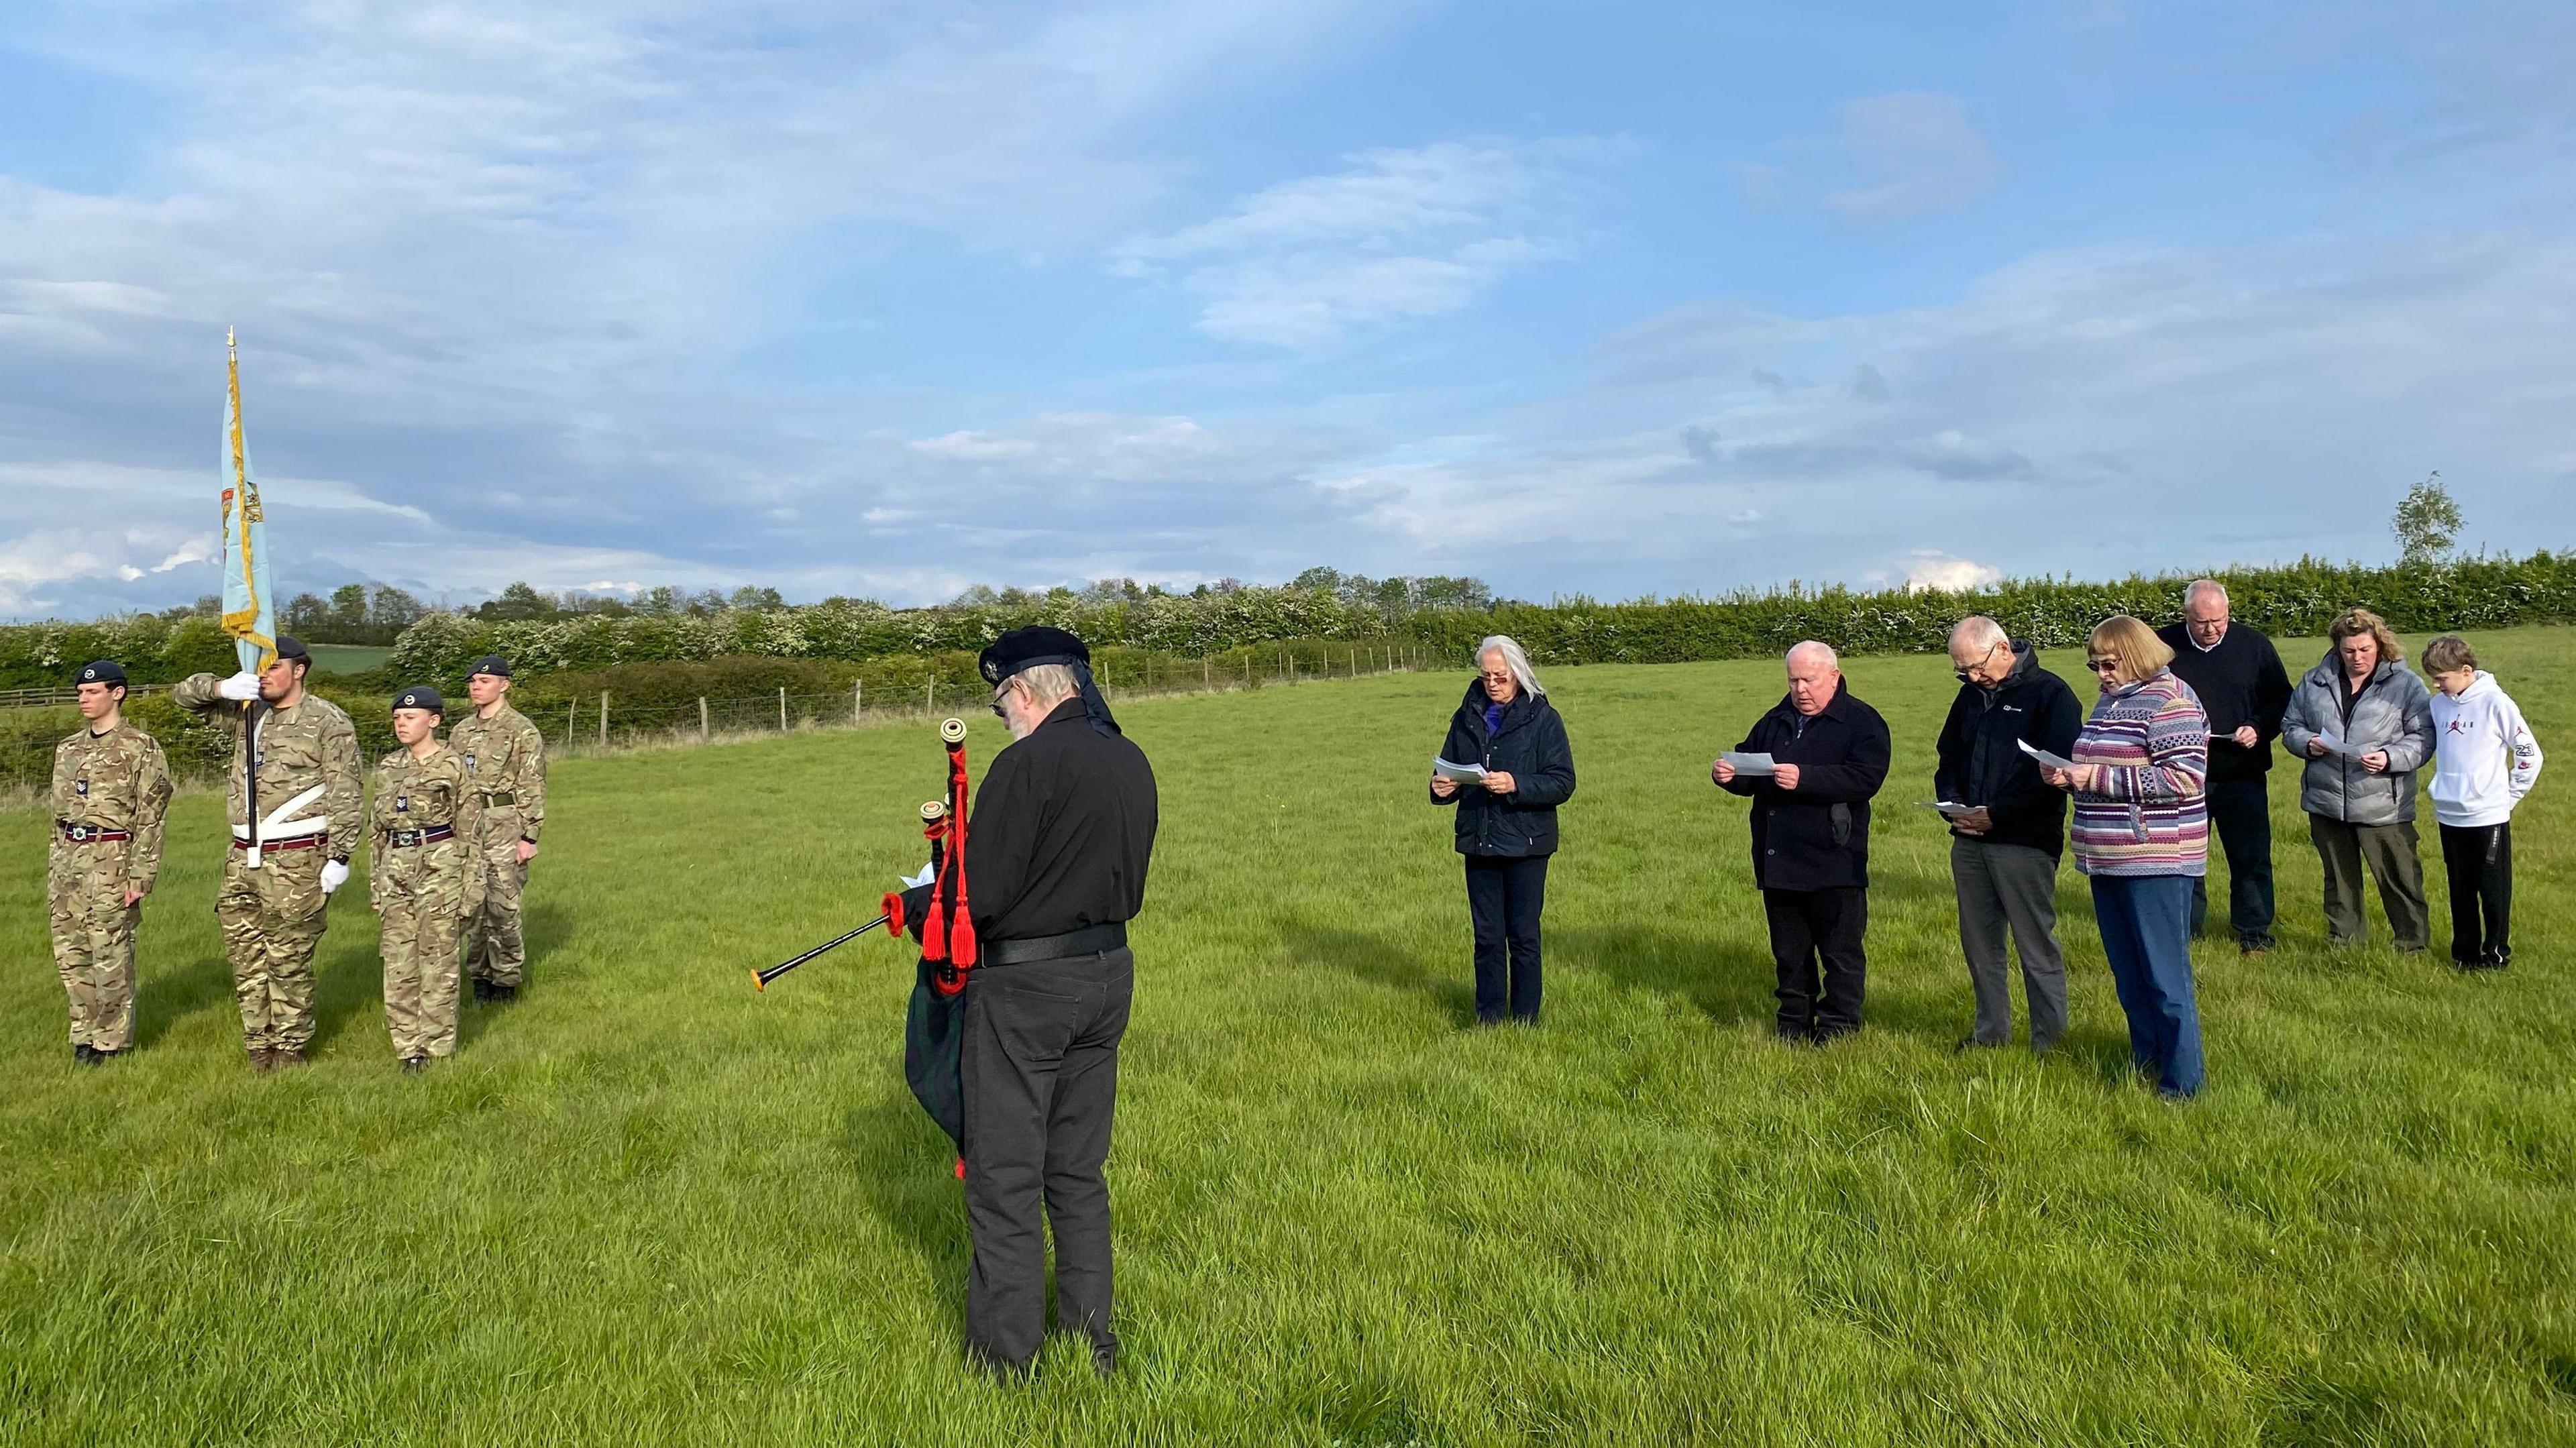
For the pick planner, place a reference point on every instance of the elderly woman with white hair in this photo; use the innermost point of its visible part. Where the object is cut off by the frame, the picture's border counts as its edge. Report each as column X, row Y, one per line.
column 1506, row 822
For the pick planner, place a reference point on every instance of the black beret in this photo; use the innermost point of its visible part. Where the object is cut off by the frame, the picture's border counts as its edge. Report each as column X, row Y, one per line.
column 291, row 647
column 420, row 696
column 493, row 664
column 1026, row 647
column 102, row 671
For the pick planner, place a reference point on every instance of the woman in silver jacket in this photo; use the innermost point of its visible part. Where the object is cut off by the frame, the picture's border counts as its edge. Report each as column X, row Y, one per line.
column 2365, row 724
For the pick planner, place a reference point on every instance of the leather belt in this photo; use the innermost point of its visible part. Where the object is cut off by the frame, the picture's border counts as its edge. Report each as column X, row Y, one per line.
column 300, row 842
column 1090, row 940
column 405, row 839
column 90, row 834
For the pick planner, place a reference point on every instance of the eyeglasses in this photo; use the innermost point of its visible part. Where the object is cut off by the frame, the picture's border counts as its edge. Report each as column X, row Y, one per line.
column 1965, row 677
column 998, row 696
column 2103, row 666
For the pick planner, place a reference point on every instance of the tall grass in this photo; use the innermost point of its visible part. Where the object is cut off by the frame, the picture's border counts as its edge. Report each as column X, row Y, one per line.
column 646, row 1205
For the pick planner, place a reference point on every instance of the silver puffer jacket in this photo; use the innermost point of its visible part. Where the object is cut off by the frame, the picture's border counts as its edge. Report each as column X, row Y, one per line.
column 2394, row 712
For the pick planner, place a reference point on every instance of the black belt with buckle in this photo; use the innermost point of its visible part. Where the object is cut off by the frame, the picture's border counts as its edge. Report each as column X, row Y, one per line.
column 1090, row 940
column 405, row 839
column 91, row 834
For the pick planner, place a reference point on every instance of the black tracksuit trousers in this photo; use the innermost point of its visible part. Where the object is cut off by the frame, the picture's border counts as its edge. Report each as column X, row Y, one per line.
column 2479, row 861
column 1039, row 1063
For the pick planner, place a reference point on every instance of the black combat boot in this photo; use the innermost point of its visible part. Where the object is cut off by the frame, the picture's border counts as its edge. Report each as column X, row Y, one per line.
column 84, row 1054
column 414, row 1065
column 505, row 993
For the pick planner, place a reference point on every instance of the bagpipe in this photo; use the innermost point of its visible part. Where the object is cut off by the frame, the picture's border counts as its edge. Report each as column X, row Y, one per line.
column 936, row 913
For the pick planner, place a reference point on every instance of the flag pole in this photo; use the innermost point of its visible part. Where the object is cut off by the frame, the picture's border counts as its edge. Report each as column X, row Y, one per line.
column 240, row 523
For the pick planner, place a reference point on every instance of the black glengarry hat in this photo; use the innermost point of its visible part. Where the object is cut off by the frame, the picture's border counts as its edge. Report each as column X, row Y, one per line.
column 1026, row 648
column 420, row 696
column 102, row 671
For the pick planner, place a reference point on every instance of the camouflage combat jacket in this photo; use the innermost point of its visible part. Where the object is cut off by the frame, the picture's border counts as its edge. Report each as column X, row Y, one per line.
column 116, row 781
column 414, row 794
column 308, row 766
column 505, row 775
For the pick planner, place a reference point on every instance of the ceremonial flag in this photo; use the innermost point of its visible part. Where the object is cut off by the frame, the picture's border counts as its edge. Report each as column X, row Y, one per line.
column 247, row 614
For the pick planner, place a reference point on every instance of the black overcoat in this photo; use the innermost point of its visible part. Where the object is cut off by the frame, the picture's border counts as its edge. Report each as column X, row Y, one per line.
column 1531, row 747
column 1815, row 837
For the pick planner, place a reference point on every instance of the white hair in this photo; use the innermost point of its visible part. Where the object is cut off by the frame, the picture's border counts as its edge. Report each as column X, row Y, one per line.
column 1977, row 631
column 1048, row 684
column 1513, row 659
column 2201, row 588
column 1812, row 648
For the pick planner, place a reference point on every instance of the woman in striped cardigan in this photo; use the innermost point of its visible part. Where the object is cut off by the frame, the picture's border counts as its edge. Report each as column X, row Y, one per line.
column 2141, row 834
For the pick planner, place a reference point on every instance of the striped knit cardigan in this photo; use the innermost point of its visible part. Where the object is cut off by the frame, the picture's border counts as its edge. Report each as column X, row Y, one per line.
column 2145, row 812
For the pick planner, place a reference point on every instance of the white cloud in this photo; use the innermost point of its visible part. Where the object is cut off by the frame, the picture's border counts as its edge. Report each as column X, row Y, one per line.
column 1930, row 571
column 1397, row 235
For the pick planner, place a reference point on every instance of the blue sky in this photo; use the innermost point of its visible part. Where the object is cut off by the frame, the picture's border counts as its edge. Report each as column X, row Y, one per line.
column 1610, row 299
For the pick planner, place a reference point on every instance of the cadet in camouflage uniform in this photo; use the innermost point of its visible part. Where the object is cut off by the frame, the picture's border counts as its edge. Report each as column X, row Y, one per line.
column 505, row 808
column 303, row 755
column 417, row 875
column 111, row 787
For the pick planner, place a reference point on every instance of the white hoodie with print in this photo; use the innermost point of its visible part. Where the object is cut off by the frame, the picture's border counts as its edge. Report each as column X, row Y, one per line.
column 2484, row 758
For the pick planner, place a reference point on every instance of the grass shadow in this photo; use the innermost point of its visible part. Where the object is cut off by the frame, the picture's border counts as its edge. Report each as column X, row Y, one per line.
column 162, row 1001
column 348, row 974
column 1725, row 981
column 1376, row 961
column 544, row 929
column 906, row 1172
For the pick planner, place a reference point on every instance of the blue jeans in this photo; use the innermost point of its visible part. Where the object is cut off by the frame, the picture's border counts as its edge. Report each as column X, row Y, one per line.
column 2146, row 932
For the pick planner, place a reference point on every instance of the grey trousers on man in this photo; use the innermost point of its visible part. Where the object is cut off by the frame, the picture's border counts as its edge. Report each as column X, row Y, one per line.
column 1039, row 1063
column 2388, row 853
column 2010, row 887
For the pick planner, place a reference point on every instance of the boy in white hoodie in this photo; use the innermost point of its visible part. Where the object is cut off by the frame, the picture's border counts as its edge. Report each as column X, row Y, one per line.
column 2484, row 762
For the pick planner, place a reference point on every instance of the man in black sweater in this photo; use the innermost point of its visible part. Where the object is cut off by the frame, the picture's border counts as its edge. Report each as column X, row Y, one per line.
column 1811, row 840
column 2004, row 852
column 1056, row 855
column 2238, row 676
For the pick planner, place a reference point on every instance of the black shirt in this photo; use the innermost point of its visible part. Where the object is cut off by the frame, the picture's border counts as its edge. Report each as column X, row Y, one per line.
column 2239, row 682
column 1062, row 832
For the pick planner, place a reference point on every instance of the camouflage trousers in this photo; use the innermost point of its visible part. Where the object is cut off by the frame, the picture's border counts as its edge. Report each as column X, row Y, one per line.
column 494, row 950
column 94, row 940
column 272, row 918
column 420, row 894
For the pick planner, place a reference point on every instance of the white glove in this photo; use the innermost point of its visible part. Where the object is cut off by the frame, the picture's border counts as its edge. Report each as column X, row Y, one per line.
column 242, row 687
column 335, row 873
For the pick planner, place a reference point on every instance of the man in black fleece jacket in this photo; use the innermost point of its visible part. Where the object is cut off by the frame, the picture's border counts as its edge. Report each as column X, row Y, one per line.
column 2238, row 676
column 2003, row 856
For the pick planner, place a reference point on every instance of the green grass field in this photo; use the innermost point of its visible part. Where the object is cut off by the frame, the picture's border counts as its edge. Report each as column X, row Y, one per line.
column 647, row 1206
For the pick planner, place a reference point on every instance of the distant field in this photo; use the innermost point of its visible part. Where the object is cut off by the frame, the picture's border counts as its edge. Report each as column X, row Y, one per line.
column 349, row 658
column 646, row 1205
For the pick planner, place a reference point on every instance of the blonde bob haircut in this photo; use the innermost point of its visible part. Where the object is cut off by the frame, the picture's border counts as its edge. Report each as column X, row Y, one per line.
column 2354, row 622
column 2139, row 652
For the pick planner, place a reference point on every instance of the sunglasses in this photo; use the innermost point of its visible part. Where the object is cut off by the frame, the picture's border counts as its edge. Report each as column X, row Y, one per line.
column 2102, row 666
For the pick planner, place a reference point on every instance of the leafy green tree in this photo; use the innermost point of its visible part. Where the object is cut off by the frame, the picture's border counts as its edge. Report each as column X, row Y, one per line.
column 2426, row 521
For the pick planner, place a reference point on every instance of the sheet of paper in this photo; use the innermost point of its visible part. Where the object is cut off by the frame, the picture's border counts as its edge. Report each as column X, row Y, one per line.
column 2053, row 761
column 1463, row 773
column 915, row 882
column 2339, row 749
column 1952, row 808
column 1751, row 763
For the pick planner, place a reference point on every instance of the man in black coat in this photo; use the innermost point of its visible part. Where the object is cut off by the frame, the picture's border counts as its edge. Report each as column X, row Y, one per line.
column 1056, row 854
column 1811, row 840
column 2004, row 852
column 2238, row 676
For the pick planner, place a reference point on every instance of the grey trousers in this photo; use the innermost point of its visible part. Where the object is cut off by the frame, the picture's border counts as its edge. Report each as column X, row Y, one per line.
column 2015, row 887
column 2388, row 853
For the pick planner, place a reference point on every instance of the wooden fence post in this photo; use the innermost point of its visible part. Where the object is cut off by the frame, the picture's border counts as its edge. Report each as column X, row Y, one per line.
column 603, row 716
column 858, row 701
column 930, row 696
column 782, row 708
column 572, row 720
column 1207, row 673
column 702, row 719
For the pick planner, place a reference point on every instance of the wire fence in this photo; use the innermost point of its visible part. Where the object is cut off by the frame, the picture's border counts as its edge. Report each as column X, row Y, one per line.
column 603, row 723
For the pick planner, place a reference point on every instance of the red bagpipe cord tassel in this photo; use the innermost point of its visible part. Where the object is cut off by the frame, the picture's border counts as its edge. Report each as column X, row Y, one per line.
column 948, row 933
